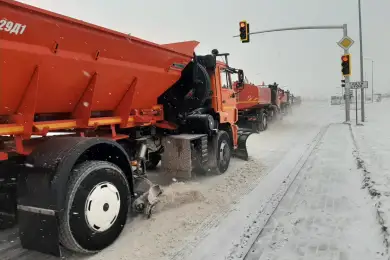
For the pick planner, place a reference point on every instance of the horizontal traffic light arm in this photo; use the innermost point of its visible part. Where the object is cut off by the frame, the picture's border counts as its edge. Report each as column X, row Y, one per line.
column 324, row 27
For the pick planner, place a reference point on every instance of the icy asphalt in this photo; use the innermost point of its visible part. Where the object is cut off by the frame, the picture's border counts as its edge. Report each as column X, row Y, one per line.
column 299, row 197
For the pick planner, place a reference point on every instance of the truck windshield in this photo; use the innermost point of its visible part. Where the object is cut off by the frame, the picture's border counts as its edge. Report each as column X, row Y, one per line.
column 225, row 79
column 234, row 77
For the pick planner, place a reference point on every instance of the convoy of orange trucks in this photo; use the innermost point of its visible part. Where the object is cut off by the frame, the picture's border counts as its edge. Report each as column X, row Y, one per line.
column 258, row 105
column 122, row 106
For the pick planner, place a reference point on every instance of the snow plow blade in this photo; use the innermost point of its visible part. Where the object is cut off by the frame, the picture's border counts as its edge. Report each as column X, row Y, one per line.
column 241, row 151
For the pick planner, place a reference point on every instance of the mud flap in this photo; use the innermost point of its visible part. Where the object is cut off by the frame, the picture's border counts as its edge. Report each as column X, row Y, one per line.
column 39, row 230
column 7, row 199
column 241, row 151
column 37, row 218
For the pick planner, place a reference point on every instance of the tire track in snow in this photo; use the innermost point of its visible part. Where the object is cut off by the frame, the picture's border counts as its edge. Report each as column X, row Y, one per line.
column 235, row 235
column 278, row 197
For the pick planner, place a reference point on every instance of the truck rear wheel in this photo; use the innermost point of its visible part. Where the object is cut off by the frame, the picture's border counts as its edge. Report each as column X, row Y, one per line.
column 96, row 207
column 263, row 121
column 271, row 115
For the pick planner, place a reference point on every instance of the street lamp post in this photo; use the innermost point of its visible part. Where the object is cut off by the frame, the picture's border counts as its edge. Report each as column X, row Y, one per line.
column 372, row 80
column 361, row 61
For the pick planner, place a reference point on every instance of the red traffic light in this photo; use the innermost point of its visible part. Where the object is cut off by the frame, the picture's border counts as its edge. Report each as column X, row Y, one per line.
column 346, row 65
column 244, row 31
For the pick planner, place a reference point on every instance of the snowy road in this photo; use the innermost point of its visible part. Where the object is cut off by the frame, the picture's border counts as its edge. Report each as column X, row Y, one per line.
column 220, row 217
column 325, row 214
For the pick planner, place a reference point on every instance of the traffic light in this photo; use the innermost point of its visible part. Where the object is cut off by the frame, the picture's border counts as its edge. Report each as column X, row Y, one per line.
column 346, row 65
column 244, row 31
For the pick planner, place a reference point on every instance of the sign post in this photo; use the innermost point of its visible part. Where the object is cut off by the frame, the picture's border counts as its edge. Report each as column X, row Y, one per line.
column 355, row 86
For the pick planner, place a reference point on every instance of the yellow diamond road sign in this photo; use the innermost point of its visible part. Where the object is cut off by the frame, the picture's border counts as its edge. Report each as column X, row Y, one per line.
column 345, row 43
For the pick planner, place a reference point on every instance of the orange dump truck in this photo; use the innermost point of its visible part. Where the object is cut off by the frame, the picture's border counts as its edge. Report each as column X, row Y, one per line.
column 124, row 103
column 257, row 105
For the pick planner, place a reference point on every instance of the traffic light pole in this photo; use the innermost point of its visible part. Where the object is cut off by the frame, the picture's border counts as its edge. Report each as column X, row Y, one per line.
column 323, row 27
column 347, row 90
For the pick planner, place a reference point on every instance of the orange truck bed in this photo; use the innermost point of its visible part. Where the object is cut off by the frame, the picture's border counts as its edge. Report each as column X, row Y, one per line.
column 253, row 96
column 53, row 64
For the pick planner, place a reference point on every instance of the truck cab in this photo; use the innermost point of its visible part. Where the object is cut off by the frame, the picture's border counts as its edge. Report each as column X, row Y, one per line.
column 227, row 104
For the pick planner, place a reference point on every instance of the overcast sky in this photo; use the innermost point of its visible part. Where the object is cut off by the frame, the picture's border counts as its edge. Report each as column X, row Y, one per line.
column 307, row 62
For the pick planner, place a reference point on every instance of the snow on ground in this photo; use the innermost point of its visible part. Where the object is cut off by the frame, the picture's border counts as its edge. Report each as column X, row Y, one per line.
column 373, row 158
column 324, row 214
column 189, row 210
column 173, row 232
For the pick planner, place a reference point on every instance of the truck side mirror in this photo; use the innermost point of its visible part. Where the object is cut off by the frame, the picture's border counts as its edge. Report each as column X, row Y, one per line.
column 240, row 83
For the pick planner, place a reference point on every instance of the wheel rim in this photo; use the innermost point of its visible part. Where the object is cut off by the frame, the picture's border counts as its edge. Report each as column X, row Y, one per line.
column 224, row 152
column 265, row 121
column 102, row 207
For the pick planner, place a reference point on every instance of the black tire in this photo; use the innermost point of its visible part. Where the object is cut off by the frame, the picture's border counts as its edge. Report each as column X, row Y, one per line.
column 154, row 160
column 263, row 121
column 271, row 115
column 221, row 141
column 287, row 110
column 88, row 179
column 255, row 126
column 279, row 114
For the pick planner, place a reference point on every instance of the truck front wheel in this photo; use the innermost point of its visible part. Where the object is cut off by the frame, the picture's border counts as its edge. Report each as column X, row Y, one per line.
column 222, row 151
column 96, row 207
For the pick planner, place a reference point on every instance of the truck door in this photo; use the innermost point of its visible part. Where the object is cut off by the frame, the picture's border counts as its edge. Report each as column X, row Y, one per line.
column 229, row 100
